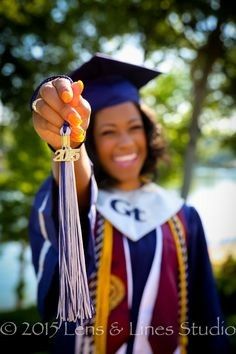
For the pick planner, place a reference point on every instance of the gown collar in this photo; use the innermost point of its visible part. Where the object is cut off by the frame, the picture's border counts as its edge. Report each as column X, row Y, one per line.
column 136, row 213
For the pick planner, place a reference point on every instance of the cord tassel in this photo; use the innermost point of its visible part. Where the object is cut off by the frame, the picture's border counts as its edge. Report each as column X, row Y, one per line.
column 74, row 298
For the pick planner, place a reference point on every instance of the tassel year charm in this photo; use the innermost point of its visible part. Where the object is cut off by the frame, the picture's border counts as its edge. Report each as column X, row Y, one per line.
column 66, row 153
column 74, row 299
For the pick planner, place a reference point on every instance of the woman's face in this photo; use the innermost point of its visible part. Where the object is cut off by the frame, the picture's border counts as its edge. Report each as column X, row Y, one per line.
column 120, row 143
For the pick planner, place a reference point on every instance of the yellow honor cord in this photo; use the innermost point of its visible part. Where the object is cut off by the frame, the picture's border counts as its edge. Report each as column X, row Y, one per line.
column 103, row 290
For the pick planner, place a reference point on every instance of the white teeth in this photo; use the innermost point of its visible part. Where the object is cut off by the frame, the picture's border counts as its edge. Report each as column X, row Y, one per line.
column 125, row 158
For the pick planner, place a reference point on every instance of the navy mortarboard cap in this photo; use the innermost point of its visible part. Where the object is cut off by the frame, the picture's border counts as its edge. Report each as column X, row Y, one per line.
column 109, row 81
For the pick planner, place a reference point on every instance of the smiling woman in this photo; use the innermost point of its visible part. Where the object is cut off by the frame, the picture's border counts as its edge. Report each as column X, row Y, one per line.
column 121, row 144
column 133, row 134
column 146, row 254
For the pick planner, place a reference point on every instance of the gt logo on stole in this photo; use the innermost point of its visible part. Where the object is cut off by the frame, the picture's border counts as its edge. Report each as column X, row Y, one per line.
column 124, row 208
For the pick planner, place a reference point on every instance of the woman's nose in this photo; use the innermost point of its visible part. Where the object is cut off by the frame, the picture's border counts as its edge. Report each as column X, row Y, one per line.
column 125, row 139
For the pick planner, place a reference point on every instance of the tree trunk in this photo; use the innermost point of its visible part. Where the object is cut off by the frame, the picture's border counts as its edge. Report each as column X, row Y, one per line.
column 194, row 132
column 203, row 65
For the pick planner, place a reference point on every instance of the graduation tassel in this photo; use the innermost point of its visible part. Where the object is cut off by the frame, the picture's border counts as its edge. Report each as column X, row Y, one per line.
column 74, row 298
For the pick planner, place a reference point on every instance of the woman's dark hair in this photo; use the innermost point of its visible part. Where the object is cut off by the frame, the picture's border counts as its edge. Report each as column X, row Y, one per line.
column 155, row 144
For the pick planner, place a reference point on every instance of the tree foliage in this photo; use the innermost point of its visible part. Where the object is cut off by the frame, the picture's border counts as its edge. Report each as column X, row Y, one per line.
column 39, row 38
column 200, row 32
column 36, row 41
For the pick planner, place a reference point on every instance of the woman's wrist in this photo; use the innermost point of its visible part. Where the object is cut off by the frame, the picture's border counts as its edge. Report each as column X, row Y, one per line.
column 76, row 147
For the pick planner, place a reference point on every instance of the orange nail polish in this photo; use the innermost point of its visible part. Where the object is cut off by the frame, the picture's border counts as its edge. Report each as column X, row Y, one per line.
column 77, row 87
column 81, row 85
column 79, row 137
column 66, row 96
column 74, row 118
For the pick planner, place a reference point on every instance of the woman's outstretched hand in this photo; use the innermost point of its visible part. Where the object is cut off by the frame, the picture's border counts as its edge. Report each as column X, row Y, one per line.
column 58, row 101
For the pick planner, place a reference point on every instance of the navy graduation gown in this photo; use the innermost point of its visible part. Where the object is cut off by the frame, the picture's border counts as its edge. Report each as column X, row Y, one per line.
column 204, row 308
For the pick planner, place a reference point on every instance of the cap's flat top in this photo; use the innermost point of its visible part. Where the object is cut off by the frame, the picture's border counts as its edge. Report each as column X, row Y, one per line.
column 102, row 66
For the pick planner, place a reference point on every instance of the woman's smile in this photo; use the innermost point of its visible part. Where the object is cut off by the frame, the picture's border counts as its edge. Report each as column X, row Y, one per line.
column 126, row 160
column 121, row 144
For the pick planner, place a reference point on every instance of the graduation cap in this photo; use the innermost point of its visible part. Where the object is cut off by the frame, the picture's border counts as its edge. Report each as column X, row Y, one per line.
column 109, row 81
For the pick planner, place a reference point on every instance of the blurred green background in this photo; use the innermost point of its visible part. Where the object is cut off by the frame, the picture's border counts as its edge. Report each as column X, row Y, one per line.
column 193, row 44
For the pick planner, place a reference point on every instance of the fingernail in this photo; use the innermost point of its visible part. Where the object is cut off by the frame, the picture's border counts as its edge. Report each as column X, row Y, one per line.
column 78, row 87
column 81, row 85
column 74, row 118
column 66, row 96
column 79, row 136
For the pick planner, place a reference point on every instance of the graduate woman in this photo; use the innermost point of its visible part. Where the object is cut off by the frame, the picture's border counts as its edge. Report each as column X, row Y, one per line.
column 150, row 277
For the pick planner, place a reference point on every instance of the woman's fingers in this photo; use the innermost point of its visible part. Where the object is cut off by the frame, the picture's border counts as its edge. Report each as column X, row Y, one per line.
column 77, row 88
column 84, row 110
column 78, row 135
column 47, row 131
column 45, row 127
column 64, row 89
column 60, row 101
column 50, row 92
column 45, row 111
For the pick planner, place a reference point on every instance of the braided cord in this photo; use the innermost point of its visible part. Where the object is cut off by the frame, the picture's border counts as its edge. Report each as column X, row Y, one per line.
column 180, row 243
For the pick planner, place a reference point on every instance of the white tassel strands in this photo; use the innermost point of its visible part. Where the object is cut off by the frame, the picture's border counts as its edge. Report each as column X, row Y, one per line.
column 74, row 298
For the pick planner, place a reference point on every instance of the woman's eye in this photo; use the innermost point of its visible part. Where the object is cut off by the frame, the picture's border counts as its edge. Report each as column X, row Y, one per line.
column 134, row 127
column 107, row 132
